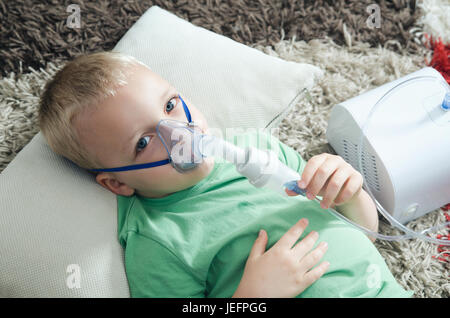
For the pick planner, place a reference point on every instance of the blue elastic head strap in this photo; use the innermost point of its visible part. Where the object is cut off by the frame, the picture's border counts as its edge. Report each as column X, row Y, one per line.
column 150, row 164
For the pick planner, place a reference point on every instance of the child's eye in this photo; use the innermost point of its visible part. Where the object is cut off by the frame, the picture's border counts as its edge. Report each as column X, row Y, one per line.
column 171, row 104
column 142, row 143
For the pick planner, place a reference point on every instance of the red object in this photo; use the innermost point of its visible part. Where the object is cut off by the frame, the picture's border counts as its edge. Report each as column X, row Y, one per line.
column 441, row 56
column 441, row 63
column 445, row 250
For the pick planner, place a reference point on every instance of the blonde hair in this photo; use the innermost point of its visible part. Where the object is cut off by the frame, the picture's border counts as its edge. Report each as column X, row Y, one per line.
column 80, row 85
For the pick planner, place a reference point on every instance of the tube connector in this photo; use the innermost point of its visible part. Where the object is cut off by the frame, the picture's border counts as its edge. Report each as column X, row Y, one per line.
column 446, row 102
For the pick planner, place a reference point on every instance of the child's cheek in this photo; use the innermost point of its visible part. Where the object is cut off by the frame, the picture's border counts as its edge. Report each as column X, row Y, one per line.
column 168, row 180
column 165, row 179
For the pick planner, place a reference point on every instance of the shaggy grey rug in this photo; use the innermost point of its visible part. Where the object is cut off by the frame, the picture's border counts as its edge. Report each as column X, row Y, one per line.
column 35, row 31
column 349, row 71
column 35, row 43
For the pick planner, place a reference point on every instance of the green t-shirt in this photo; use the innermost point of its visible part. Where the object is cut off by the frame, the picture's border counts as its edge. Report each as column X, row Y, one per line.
column 195, row 242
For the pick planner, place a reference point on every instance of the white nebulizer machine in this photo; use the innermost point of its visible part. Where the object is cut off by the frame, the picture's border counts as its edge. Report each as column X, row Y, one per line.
column 398, row 137
column 406, row 142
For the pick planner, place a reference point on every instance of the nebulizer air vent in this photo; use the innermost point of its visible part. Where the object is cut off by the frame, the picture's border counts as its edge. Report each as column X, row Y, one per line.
column 369, row 161
column 446, row 102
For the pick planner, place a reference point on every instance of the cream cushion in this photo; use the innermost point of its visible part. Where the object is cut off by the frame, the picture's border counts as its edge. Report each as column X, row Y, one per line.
column 58, row 227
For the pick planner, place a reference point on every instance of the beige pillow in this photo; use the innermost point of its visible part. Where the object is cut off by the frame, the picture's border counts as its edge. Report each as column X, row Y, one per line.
column 232, row 84
column 58, row 227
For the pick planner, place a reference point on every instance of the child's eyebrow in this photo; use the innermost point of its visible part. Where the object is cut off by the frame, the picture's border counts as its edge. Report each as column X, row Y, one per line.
column 129, row 146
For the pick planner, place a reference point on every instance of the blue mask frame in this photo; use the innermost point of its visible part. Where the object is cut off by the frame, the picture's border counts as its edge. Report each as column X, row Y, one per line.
column 150, row 164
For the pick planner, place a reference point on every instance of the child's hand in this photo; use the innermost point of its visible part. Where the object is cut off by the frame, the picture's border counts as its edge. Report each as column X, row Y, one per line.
column 330, row 177
column 284, row 270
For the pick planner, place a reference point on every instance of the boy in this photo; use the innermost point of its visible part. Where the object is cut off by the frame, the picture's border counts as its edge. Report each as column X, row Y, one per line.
column 193, row 234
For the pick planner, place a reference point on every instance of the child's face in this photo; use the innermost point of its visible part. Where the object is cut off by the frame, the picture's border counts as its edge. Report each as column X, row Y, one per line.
column 112, row 132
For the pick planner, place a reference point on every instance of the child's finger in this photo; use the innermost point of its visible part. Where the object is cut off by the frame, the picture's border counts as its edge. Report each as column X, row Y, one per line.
column 305, row 245
column 292, row 188
column 351, row 188
column 313, row 257
column 292, row 235
column 309, row 170
column 315, row 273
column 290, row 193
column 259, row 246
column 321, row 175
column 333, row 187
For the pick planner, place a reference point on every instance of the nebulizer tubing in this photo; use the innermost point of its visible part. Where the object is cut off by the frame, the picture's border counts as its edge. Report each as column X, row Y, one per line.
column 409, row 233
column 254, row 164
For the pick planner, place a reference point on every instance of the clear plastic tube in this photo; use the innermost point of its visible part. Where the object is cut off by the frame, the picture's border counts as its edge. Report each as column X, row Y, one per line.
column 389, row 237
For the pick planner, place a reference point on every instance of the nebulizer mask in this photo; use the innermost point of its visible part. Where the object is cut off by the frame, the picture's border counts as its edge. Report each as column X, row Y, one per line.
column 186, row 146
column 176, row 140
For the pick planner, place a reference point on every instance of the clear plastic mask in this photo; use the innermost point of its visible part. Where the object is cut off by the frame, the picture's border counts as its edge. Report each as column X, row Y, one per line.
column 180, row 142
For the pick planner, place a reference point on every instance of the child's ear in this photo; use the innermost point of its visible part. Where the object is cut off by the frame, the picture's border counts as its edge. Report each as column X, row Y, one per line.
column 114, row 185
